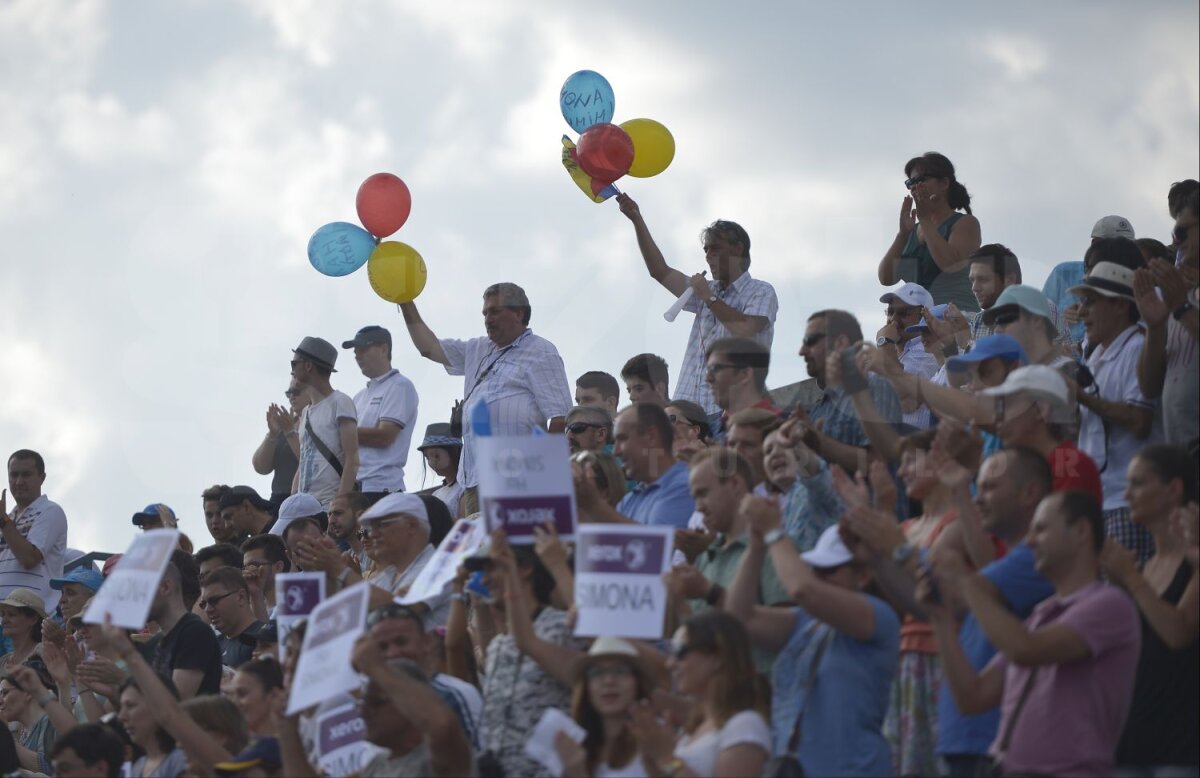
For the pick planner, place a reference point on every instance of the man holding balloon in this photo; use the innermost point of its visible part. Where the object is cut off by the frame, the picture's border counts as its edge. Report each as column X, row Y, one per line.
column 729, row 303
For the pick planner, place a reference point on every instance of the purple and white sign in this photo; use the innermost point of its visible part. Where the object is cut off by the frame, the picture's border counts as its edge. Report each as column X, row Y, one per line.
column 525, row 482
column 341, row 741
column 462, row 539
column 128, row 592
column 324, row 669
column 618, row 579
column 296, row 595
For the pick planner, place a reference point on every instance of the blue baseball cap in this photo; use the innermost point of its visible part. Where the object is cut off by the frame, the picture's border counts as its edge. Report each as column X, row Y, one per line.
column 85, row 576
column 988, row 347
column 939, row 313
column 167, row 517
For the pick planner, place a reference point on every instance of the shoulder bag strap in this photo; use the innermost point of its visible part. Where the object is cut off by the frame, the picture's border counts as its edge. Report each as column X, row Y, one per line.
column 794, row 740
column 320, row 444
column 487, row 371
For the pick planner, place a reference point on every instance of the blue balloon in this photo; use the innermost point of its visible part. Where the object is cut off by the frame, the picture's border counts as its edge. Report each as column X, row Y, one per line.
column 340, row 248
column 586, row 99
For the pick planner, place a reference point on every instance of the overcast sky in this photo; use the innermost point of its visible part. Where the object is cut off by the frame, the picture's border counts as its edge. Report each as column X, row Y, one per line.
column 163, row 165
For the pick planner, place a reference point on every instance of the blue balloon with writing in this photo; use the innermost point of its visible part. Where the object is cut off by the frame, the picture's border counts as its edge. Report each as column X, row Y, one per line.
column 340, row 248
column 586, row 99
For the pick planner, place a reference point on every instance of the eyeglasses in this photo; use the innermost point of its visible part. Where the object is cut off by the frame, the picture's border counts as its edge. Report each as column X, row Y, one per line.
column 812, row 340
column 609, row 671
column 716, row 367
column 1006, row 318
column 580, row 427
column 677, row 419
column 212, row 602
column 909, row 183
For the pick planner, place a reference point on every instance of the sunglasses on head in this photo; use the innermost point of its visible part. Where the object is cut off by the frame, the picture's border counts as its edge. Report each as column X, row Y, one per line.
column 909, row 183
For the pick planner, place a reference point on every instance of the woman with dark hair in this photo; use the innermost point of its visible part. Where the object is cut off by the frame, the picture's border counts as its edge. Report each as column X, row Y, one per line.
column 692, row 430
column 21, row 614
column 605, row 472
column 440, row 520
column 162, row 759
column 608, row 680
column 935, row 241
column 1160, row 732
column 727, row 734
column 256, row 689
column 441, row 452
column 23, row 702
column 526, row 670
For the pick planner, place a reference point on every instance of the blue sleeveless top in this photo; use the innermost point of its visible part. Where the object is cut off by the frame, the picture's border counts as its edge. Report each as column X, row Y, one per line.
column 918, row 266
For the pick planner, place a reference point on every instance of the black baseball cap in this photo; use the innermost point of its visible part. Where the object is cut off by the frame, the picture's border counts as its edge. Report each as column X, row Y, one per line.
column 370, row 335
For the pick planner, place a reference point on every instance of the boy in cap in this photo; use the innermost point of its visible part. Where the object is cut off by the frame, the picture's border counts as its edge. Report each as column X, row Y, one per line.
column 328, row 426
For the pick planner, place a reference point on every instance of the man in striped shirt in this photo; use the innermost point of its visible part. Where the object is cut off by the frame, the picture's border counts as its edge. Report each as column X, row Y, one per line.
column 730, row 303
column 519, row 375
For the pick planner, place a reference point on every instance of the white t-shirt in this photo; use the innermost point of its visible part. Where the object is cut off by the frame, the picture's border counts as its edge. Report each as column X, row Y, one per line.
column 700, row 754
column 1110, row 445
column 317, row 476
column 43, row 524
column 389, row 397
column 451, row 495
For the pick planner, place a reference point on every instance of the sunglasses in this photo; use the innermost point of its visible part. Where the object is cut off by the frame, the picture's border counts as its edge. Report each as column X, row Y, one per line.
column 213, row 602
column 1006, row 318
column 295, row 362
column 612, row 671
column 580, row 427
column 716, row 367
column 393, row 610
column 812, row 340
column 901, row 313
column 909, row 183
column 291, row 392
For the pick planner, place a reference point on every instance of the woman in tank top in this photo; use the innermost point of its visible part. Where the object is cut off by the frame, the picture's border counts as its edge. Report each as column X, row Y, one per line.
column 1160, row 732
column 935, row 239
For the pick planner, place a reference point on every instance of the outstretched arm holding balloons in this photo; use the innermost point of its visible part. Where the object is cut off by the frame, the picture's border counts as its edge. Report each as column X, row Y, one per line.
column 422, row 337
column 673, row 280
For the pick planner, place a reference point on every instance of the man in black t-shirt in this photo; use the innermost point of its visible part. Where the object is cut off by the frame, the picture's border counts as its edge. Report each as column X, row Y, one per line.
column 225, row 599
column 186, row 649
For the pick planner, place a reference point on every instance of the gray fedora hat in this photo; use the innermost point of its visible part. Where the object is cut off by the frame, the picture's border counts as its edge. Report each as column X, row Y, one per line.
column 318, row 351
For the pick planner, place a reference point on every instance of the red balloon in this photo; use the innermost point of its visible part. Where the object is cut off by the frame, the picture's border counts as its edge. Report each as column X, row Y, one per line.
column 605, row 152
column 383, row 204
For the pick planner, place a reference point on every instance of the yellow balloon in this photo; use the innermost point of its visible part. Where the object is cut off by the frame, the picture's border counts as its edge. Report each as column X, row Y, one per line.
column 396, row 271
column 653, row 147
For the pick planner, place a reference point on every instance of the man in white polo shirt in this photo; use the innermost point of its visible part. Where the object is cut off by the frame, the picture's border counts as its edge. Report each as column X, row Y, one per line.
column 387, row 413
column 1116, row 419
column 33, row 537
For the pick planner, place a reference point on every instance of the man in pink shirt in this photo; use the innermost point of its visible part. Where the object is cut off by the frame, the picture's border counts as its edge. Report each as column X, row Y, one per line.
column 1064, row 679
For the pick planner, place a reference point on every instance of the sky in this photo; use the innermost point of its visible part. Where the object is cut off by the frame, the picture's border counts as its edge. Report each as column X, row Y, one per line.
column 164, row 164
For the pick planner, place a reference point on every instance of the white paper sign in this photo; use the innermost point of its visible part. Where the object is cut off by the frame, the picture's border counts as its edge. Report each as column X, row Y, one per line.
column 128, row 592
column 341, row 742
column 540, row 745
column 618, row 579
column 525, row 482
column 462, row 539
column 296, row 595
column 324, row 668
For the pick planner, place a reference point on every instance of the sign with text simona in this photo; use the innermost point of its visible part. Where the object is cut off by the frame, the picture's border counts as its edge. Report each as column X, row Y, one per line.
column 128, row 592
column 619, row 588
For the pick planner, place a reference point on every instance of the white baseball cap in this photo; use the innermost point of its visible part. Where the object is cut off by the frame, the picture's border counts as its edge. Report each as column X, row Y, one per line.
column 1041, row 380
column 830, row 551
column 911, row 294
column 397, row 502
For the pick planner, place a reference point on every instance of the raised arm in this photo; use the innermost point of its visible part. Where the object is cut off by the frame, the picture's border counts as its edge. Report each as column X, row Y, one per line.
column 422, row 337
column 670, row 278
column 889, row 266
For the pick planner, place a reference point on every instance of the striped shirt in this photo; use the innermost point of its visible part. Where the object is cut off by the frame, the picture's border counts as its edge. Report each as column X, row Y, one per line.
column 43, row 524
column 746, row 295
column 524, row 385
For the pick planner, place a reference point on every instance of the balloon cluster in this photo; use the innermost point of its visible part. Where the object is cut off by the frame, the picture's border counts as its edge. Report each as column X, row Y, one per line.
column 395, row 270
column 639, row 147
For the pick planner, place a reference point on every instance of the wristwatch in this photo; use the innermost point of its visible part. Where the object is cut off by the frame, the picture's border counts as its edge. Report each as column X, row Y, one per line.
column 343, row 576
column 712, row 298
column 881, row 341
column 1182, row 310
column 772, row 537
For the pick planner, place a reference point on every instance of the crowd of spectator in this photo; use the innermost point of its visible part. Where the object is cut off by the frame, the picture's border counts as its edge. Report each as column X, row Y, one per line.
column 967, row 546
